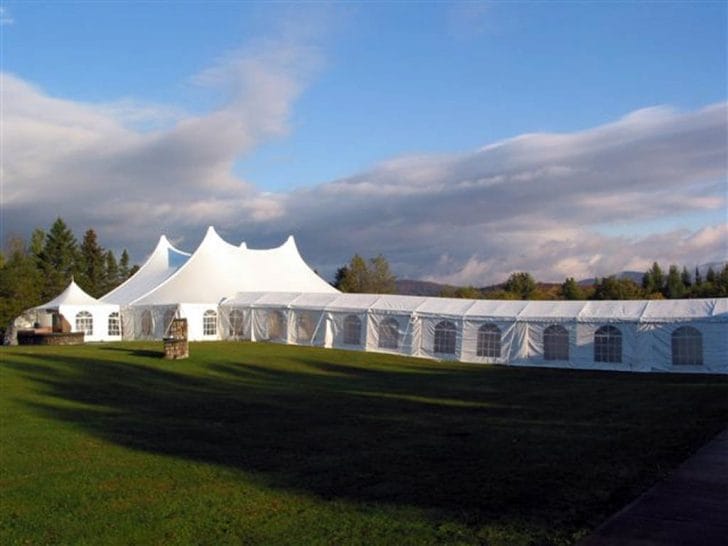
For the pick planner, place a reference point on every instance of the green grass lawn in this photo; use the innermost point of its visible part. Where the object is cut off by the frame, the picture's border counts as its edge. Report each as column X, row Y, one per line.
column 265, row 444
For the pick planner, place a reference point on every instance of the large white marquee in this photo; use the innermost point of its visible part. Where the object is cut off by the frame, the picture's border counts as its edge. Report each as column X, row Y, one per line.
column 235, row 293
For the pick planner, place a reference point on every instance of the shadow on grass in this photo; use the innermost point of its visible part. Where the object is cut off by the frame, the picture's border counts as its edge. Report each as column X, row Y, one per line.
column 557, row 449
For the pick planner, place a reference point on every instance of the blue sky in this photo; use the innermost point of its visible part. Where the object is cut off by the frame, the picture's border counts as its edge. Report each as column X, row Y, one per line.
column 330, row 92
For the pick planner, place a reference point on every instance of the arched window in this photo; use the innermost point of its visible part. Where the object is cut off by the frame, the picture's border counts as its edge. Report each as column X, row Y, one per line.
column 85, row 323
column 147, row 323
column 352, row 330
column 389, row 334
column 276, row 323
column 489, row 341
column 236, row 323
column 555, row 343
column 305, row 327
column 114, row 326
column 608, row 344
column 209, row 323
column 687, row 347
column 445, row 335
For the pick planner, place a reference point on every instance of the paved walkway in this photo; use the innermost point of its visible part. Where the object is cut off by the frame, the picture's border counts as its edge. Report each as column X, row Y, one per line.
column 689, row 508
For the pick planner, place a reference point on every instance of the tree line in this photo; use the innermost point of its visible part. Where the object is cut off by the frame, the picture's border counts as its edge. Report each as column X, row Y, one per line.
column 656, row 284
column 374, row 276
column 36, row 271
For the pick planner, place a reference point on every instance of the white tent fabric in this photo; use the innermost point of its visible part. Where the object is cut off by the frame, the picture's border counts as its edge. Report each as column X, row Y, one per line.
column 608, row 335
column 159, row 266
column 83, row 313
column 218, row 269
column 236, row 293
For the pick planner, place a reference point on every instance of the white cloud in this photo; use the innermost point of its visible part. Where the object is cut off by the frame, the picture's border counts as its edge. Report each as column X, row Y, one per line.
column 532, row 203
column 6, row 18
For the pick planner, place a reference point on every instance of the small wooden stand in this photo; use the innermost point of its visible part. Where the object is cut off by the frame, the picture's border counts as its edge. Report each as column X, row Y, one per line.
column 176, row 345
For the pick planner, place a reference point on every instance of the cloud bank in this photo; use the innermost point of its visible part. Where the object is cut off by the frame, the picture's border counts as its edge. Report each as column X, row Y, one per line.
column 538, row 202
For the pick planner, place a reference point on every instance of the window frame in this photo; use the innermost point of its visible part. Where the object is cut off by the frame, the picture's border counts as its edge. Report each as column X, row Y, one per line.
column 236, row 321
column 113, row 325
column 487, row 346
column 350, row 328
column 280, row 323
column 608, row 344
column 686, row 346
column 446, row 338
column 85, row 322
column 554, row 348
column 388, row 334
column 209, row 323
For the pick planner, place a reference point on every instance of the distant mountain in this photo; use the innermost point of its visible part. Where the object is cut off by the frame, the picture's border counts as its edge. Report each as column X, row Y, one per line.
column 703, row 268
column 635, row 276
column 409, row 287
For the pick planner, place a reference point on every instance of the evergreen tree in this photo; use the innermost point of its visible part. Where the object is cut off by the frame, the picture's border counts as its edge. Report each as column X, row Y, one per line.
column 674, row 287
column 356, row 276
column 698, row 277
column 20, row 282
column 93, row 265
column 373, row 278
column 58, row 259
column 612, row 288
column 521, row 284
column 381, row 280
column 710, row 275
column 685, row 277
column 37, row 241
column 654, row 279
column 124, row 272
column 111, row 276
column 721, row 283
column 570, row 290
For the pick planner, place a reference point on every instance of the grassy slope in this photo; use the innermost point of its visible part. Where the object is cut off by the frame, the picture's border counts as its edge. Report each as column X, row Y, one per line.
column 269, row 444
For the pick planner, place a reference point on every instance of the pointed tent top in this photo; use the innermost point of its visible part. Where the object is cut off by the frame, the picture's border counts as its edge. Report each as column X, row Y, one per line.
column 72, row 295
column 160, row 264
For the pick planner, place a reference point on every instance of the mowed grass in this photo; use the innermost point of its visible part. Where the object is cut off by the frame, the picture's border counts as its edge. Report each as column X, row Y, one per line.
column 265, row 444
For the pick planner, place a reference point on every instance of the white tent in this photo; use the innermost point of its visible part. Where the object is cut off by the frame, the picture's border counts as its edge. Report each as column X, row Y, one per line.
column 670, row 335
column 233, row 292
column 214, row 271
column 158, row 267
column 98, row 320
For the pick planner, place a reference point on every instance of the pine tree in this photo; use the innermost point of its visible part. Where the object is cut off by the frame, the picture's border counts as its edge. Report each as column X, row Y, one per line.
column 112, row 272
column 124, row 266
column 356, row 277
column 698, row 277
column 20, row 282
column 674, row 287
column 520, row 284
column 570, row 290
column 381, row 280
column 360, row 277
column 722, row 283
column 685, row 277
column 58, row 259
column 653, row 280
column 710, row 275
column 93, row 265
column 37, row 241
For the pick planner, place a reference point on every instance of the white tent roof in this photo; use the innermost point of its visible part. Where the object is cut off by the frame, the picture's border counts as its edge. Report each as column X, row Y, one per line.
column 218, row 269
column 72, row 295
column 160, row 265
column 540, row 311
